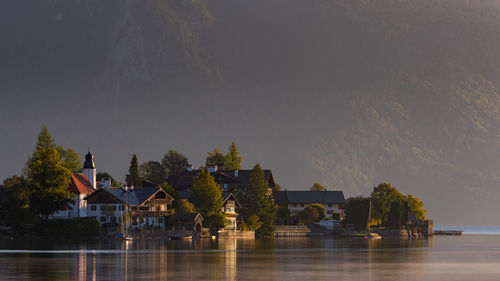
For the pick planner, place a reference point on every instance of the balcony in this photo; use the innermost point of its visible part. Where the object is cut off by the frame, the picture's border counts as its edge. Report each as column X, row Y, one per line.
column 145, row 213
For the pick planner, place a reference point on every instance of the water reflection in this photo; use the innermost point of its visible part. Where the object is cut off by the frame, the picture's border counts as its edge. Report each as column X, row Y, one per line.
column 237, row 259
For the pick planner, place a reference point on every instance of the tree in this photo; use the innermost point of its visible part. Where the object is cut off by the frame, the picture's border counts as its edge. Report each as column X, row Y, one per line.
column 70, row 159
column 152, row 171
column 215, row 157
column 47, row 177
column 283, row 216
column 309, row 215
column 321, row 211
column 395, row 217
column 256, row 200
column 416, row 206
column 184, row 206
column 233, row 159
column 358, row 212
column 254, row 223
column 174, row 163
column 207, row 197
column 133, row 178
column 17, row 201
column 382, row 197
column 101, row 176
column 317, row 187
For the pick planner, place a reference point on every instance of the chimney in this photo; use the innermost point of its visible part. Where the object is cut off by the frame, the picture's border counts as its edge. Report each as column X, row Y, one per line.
column 235, row 173
column 189, row 167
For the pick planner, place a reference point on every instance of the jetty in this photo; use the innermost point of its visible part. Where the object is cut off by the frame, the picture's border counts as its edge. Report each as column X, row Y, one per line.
column 447, row 232
column 283, row 231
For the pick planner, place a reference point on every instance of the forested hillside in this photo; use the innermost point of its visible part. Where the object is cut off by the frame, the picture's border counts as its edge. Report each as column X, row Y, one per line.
column 347, row 92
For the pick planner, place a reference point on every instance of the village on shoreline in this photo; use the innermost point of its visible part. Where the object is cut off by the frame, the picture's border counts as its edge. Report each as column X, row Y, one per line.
column 58, row 197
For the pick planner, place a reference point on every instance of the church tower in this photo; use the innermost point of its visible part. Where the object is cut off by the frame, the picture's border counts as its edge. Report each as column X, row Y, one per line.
column 89, row 169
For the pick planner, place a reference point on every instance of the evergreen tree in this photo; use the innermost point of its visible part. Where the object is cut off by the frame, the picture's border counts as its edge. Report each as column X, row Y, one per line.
column 256, row 200
column 174, row 163
column 215, row 157
column 233, row 159
column 207, row 197
column 133, row 178
column 47, row 177
column 70, row 159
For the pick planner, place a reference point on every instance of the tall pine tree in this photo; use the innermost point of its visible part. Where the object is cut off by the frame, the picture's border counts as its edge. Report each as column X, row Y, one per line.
column 47, row 177
column 256, row 199
column 133, row 178
column 233, row 159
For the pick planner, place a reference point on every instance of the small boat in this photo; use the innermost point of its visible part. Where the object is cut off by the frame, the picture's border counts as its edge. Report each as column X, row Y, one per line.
column 175, row 237
column 122, row 237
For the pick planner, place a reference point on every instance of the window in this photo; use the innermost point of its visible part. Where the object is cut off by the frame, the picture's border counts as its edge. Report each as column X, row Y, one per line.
column 103, row 218
column 122, row 207
column 103, row 208
column 160, row 220
column 93, row 207
column 112, row 219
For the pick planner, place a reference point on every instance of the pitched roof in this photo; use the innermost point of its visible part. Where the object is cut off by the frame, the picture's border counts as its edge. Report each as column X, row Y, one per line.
column 309, row 197
column 186, row 178
column 79, row 184
column 133, row 196
column 227, row 195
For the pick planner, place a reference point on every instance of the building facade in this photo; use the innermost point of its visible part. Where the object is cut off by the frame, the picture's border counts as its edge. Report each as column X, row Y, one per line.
column 297, row 201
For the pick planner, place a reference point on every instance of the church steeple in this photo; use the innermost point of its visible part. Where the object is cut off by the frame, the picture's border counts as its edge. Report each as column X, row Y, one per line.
column 89, row 169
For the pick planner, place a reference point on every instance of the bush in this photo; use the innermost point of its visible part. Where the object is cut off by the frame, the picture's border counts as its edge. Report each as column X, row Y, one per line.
column 309, row 215
column 321, row 211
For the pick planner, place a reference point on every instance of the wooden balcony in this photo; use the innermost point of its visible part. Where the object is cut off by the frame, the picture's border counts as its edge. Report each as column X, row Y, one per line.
column 144, row 213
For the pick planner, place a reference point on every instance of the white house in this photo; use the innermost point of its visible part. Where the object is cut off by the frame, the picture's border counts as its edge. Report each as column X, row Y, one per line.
column 297, row 201
column 148, row 207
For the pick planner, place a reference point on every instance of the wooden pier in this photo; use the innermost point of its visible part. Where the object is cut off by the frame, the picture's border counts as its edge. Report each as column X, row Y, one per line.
column 448, row 232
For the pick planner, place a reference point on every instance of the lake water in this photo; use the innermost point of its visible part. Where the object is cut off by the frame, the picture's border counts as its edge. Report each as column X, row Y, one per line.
column 467, row 257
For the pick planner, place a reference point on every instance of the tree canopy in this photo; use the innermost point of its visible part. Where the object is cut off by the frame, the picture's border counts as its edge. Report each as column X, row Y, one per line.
column 317, row 187
column 174, row 163
column 207, row 197
column 70, row 158
column 152, row 171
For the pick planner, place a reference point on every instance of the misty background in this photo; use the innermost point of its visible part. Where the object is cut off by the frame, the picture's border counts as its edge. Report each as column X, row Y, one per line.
column 348, row 93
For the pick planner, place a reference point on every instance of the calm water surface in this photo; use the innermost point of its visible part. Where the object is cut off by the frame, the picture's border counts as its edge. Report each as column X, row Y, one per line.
column 469, row 257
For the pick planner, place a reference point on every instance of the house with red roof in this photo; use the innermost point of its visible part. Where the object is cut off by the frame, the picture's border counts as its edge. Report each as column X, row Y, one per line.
column 80, row 187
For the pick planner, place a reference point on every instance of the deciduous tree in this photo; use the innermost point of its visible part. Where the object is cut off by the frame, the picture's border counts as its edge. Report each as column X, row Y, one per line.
column 152, row 171
column 70, row 159
column 317, row 187
column 174, row 163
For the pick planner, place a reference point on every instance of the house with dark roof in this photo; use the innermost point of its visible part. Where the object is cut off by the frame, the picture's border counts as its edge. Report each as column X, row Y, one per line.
column 147, row 207
column 229, row 180
column 296, row 201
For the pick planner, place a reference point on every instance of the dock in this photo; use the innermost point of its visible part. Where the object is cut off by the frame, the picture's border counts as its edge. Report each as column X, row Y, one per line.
column 448, row 232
